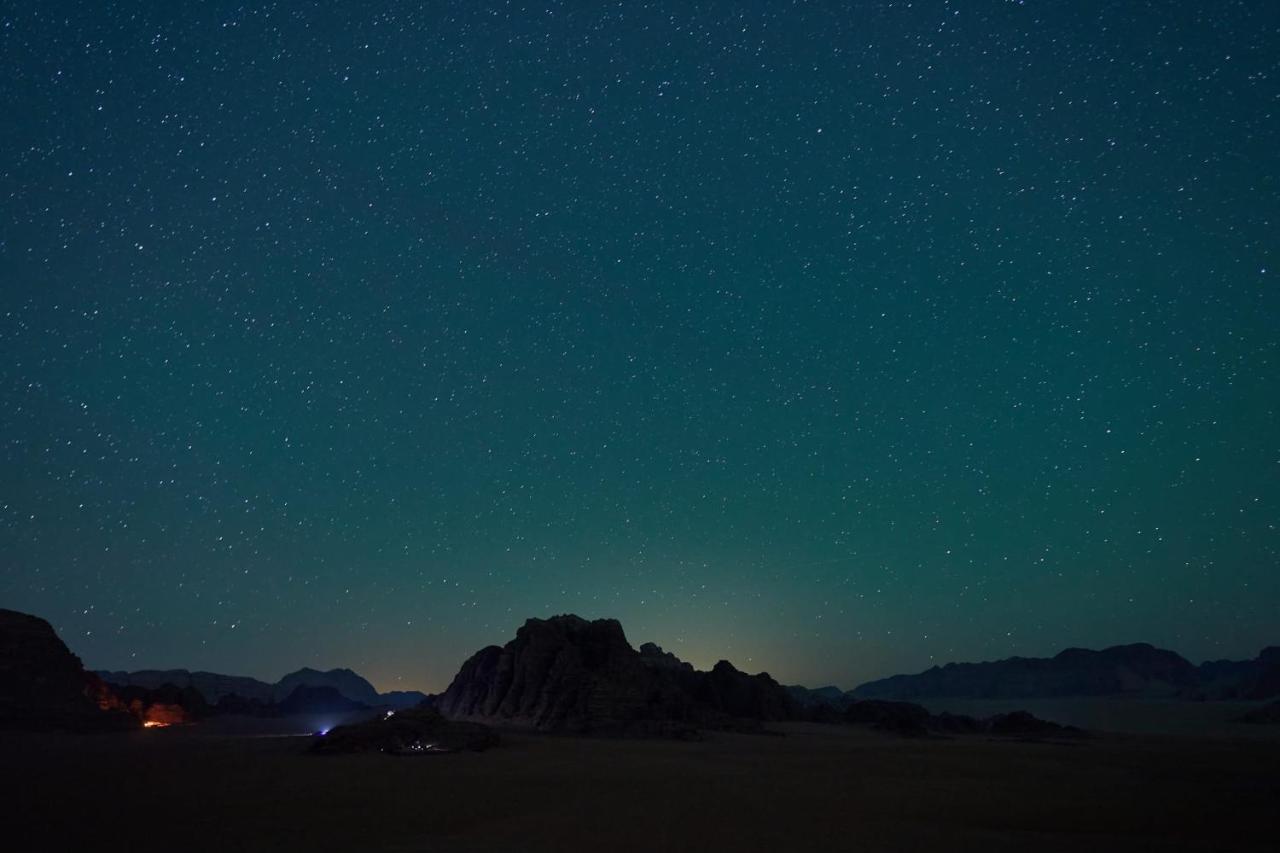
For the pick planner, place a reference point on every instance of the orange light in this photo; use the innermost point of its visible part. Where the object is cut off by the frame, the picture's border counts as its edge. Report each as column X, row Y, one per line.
column 154, row 724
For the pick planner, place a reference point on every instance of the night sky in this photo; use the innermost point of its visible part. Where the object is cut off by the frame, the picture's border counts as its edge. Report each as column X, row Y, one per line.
column 835, row 339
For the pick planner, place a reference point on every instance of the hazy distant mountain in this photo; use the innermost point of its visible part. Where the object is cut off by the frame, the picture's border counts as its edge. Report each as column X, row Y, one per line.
column 242, row 691
column 322, row 699
column 807, row 697
column 344, row 681
column 212, row 686
column 402, row 698
column 1244, row 679
column 1138, row 669
column 568, row 674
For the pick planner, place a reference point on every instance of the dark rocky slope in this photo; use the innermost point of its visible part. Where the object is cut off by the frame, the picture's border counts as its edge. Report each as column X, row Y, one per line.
column 44, row 686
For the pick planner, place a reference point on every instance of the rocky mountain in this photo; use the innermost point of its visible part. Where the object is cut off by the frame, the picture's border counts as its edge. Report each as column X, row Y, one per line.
column 1138, row 669
column 44, row 686
column 727, row 691
column 564, row 674
column 653, row 655
column 568, row 674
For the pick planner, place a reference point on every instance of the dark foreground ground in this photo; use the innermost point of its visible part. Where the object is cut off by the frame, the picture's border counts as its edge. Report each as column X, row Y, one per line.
column 816, row 789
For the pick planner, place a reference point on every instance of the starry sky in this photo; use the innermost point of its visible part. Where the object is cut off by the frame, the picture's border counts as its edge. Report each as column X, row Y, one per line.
column 836, row 339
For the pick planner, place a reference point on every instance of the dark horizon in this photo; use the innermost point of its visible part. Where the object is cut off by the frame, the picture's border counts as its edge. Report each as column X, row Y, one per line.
column 832, row 340
column 405, row 684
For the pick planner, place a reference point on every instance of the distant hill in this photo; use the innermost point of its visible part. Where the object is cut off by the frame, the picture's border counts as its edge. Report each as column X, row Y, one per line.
column 325, row 699
column 243, row 691
column 212, row 686
column 1135, row 670
column 402, row 698
column 344, row 681
column 807, row 697
column 1248, row 679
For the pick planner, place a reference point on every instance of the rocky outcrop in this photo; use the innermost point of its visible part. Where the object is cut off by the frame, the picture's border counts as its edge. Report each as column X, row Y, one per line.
column 44, row 686
column 651, row 654
column 1137, row 669
column 568, row 674
column 727, row 691
column 564, row 674
column 417, row 731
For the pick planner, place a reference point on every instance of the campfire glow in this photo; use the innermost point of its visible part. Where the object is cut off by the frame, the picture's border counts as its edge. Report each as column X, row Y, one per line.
column 160, row 715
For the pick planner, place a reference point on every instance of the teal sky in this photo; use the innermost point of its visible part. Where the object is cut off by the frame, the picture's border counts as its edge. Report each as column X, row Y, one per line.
column 835, row 339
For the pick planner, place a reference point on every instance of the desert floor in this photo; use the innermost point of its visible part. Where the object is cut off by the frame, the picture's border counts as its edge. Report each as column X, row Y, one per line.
column 816, row 788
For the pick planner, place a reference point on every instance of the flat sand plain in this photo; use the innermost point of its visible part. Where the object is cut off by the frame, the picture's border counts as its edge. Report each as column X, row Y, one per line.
column 815, row 788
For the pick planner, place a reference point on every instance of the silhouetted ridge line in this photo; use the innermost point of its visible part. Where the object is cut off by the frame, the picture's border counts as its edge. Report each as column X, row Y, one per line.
column 571, row 675
column 1138, row 669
